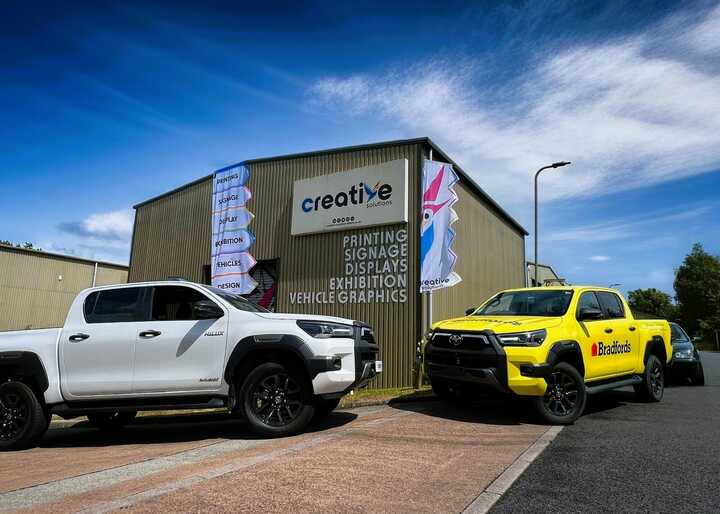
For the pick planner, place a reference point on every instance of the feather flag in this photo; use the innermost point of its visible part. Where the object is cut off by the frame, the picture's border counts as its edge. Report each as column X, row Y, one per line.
column 437, row 259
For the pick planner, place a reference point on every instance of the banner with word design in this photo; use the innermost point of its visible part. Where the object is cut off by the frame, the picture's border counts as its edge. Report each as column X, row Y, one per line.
column 231, row 237
column 437, row 259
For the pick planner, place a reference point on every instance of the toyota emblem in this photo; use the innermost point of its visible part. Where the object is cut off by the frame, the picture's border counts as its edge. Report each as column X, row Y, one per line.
column 456, row 339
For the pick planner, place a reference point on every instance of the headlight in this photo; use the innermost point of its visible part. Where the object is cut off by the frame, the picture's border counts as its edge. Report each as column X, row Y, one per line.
column 534, row 338
column 684, row 354
column 428, row 336
column 323, row 330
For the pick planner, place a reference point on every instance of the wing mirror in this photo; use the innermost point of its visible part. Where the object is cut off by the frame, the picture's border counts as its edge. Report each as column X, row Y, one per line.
column 469, row 311
column 207, row 309
column 589, row 314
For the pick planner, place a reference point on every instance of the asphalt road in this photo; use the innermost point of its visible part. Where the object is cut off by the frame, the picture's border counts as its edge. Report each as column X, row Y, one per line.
column 626, row 456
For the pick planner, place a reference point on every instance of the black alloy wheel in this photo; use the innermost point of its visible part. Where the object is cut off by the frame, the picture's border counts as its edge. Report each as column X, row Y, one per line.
column 276, row 400
column 13, row 415
column 22, row 419
column 652, row 387
column 561, row 395
column 565, row 396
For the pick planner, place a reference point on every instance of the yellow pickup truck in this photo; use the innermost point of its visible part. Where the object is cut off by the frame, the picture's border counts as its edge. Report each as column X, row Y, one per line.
column 554, row 345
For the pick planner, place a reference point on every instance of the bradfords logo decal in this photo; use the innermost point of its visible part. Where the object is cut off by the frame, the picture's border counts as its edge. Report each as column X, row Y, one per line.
column 600, row 349
column 363, row 197
column 375, row 196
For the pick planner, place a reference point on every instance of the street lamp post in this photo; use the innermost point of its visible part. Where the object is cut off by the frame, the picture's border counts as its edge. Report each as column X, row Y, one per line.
column 553, row 165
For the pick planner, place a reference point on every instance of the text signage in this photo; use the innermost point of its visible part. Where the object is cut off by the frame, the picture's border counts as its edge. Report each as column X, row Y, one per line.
column 375, row 269
column 362, row 197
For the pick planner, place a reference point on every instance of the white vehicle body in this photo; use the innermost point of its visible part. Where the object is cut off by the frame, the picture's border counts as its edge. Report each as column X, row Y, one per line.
column 92, row 363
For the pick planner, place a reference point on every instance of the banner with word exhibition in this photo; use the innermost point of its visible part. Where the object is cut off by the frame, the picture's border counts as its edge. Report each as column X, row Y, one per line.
column 437, row 259
column 231, row 260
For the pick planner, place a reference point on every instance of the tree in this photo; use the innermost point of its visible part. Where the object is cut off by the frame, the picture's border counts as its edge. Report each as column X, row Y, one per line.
column 697, row 291
column 653, row 302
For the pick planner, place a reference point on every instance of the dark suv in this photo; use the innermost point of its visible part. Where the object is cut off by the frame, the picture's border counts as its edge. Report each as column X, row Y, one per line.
column 685, row 362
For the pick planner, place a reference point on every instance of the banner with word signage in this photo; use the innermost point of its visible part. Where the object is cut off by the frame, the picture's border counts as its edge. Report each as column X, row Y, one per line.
column 231, row 260
column 437, row 259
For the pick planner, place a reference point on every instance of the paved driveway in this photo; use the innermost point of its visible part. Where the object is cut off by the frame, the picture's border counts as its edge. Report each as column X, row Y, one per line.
column 421, row 457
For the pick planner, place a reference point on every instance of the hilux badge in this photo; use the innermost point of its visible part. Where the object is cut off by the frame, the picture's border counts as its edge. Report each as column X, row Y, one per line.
column 456, row 339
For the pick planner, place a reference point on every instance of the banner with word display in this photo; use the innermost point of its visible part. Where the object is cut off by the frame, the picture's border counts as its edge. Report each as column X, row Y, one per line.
column 437, row 259
column 231, row 260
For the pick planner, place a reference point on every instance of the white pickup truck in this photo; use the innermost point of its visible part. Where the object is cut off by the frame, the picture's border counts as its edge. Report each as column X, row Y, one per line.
column 175, row 345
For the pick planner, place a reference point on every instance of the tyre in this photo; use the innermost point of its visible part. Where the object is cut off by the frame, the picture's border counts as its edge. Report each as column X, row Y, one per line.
column 565, row 396
column 112, row 421
column 324, row 407
column 277, row 399
column 699, row 378
column 652, row 387
column 22, row 419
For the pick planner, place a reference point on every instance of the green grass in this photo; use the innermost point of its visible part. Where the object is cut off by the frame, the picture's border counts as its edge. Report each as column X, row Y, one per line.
column 380, row 396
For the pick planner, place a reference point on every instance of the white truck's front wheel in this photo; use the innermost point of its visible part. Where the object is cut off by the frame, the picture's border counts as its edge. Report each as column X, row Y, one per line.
column 22, row 419
column 277, row 399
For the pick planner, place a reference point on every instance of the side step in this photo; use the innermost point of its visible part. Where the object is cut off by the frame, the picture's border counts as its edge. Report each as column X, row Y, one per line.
column 613, row 385
column 75, row 409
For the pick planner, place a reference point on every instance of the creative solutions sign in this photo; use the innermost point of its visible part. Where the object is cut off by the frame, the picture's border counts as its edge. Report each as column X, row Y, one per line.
column 362, row 197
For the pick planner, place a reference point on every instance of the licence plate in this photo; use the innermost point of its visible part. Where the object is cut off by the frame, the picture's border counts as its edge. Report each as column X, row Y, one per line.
column 378, row 366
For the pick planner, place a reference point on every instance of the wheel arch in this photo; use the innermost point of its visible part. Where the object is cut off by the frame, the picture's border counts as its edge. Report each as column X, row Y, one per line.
column 656, row 346
column 567, row 351
column 252, row 351
column 24, row 367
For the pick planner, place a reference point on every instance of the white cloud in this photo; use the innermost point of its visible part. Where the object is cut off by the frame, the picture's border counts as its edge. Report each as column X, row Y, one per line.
column 705, row 36
column 627, row 115
column 103, row 236
column 109, row 226
column 617, row 229
column 599, row 258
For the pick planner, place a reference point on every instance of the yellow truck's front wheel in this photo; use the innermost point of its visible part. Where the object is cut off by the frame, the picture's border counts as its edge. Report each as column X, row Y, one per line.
column 565, row 396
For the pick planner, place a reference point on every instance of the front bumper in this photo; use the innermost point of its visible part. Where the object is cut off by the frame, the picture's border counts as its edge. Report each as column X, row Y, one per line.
column 683, row 367
column 480, row 362
column 366, row 366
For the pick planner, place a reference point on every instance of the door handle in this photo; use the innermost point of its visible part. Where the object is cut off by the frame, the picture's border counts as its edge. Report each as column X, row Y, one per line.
column 631, row 329
column 150, row 333
column 608, row 330
column 78, row 337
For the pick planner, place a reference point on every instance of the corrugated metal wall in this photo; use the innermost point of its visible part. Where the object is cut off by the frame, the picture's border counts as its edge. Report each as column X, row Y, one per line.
column 172, row 237
column 491, row 257
column 33, row 296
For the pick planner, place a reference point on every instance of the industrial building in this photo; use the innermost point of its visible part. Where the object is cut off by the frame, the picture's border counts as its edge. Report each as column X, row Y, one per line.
column 37, row 288
column 328, row 272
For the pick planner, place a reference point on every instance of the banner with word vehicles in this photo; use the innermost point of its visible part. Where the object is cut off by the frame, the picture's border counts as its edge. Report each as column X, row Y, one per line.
column 437, row 259
column 231, row 260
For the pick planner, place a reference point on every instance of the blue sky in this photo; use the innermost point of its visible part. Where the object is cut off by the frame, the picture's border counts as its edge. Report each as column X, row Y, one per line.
column 106, row 106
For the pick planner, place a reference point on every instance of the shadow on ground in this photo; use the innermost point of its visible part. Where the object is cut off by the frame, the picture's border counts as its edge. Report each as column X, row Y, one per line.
column 172, row 429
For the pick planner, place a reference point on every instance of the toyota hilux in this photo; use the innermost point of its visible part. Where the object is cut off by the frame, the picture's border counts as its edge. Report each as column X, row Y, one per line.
column 552, row 345
column 179, row 345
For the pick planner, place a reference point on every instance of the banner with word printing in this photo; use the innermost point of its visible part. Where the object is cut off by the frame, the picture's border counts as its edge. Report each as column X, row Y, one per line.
column 231, row 260
column 437, row 259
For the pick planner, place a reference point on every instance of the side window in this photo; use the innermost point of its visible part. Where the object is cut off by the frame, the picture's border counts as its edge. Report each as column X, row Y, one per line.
column 114, row 305
column 678, row 334
column 611, row 304
column 588, row 300
column 175, row 303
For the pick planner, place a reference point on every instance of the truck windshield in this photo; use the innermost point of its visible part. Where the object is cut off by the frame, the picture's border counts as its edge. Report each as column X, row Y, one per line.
column 527, row 303
column 236, row 300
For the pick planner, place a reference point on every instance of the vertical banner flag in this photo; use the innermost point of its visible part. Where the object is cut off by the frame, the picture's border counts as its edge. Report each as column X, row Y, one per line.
column 231, row 238
column 437, row 259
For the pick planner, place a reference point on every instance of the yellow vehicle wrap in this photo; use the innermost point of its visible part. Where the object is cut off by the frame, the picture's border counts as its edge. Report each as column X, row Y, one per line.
column 516, row 339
